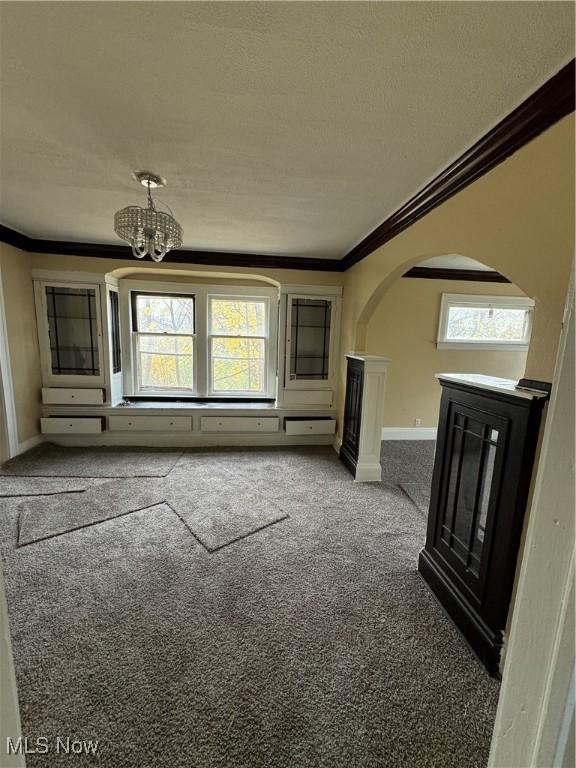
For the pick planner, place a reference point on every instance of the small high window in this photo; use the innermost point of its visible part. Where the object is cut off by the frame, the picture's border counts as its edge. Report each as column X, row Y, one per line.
column 485, row 322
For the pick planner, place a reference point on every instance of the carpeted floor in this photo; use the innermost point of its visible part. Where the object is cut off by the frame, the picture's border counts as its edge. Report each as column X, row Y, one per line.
column 303, row 638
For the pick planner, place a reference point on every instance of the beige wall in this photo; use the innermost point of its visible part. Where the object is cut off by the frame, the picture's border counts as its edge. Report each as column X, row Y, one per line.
column 16, row 269
column 141, row 269
column 517, row 219
column 22, row 338
column 404, row 327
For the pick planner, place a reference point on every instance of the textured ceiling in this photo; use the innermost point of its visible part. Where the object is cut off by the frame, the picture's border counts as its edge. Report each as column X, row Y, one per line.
column 283, row 128
column 454, row 261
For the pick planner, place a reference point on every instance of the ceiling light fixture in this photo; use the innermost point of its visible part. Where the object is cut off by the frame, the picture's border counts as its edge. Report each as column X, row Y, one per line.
column 149, row 232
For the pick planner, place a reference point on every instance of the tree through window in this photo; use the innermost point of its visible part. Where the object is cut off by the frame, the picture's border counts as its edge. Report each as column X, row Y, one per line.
column 165, row 331
column 237, row 345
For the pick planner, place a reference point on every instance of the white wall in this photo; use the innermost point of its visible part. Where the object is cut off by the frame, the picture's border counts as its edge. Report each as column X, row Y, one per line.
column 540, row 653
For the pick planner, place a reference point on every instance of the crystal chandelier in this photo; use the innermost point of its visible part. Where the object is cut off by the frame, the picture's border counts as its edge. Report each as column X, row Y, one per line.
column 147, row 230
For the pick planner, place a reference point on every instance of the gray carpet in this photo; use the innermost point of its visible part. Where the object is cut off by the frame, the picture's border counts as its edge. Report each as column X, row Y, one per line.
column 56, row 515
column 407, row 461
column 39, row 486
column 311, row 644
column 419, row 493
column 48, row 460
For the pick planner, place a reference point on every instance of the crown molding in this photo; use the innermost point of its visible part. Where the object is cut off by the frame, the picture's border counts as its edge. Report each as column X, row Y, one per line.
column 181, row 256
column 473, row 275
column 550, row 103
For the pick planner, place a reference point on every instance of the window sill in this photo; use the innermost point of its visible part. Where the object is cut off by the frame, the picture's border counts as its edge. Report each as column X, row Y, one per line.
column 480, row 347
column 197, row 405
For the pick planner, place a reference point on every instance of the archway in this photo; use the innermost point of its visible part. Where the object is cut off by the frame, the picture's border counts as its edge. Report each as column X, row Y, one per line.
column 406, row 319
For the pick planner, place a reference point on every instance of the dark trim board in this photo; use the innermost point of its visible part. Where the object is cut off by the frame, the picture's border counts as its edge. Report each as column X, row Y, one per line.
column 546, row 106
column 473, row 275
column 542, row 386
column 181, row 256
column 550, row 103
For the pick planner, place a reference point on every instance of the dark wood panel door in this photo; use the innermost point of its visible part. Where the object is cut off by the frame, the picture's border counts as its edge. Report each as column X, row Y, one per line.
column 352, row 413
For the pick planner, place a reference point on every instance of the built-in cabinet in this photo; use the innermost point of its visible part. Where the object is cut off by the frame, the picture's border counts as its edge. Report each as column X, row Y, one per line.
column 308, row 345
column 81, row 327
column 70, row 333
column 487, row 437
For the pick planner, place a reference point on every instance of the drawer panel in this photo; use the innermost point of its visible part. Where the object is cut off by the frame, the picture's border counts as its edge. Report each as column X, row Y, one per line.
column 310, row 426
column 150, row 423
column 70, row 426
column 67, row 396
column 239, row 424
column 308, row 397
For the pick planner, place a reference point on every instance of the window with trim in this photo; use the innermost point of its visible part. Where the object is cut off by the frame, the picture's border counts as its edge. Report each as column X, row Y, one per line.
column 163, row 328
column 237, row 345
column 201, row 341
column 485, row 322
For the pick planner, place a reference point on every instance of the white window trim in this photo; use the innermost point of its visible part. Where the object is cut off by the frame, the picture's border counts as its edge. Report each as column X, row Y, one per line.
column 65, row 379
column 201, row 292
column 270, row 345
column 495, row 302
column 327, row 383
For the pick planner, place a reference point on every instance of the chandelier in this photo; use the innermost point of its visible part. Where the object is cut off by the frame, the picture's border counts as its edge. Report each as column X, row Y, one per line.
column 149, row 232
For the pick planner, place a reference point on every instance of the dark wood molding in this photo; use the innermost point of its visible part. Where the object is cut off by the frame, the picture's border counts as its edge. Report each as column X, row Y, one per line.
column 473, row 275
column 17, row 239
column 550, row 103
column 540, row 386
column 181, row 256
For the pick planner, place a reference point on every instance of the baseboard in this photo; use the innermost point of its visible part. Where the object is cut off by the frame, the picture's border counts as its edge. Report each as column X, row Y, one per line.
column 27, row 445
column 409, row 433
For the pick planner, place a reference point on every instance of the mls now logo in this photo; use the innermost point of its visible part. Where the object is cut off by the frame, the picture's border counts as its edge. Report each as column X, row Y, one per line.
column 62, row 745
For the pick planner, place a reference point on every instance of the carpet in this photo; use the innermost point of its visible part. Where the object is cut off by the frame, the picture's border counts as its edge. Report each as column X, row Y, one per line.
column 48, row 460
column 228, row 518
column 38, row 486
column 409, row 461
column 419, row 493
column 312, row 644
column 55, row 515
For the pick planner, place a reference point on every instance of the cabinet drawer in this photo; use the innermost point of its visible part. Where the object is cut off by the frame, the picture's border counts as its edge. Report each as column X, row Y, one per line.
column 57, row 425
column 150, row 423
column 238, row 424
column 310, row 426
column 66, row 396
column 308, row 397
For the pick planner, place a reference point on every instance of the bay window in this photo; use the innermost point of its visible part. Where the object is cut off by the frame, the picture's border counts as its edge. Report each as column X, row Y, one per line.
column 200, row 341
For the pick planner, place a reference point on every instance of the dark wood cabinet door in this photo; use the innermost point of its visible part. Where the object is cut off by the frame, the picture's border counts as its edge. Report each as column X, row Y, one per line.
column 352, row 413
column 469, row 493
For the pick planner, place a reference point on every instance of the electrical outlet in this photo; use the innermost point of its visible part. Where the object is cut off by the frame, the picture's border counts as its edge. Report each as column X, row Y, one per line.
column 417, row 422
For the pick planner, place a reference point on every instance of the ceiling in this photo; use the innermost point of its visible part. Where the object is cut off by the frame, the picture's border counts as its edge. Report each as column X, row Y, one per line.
column 283, row 128
column 454, row 261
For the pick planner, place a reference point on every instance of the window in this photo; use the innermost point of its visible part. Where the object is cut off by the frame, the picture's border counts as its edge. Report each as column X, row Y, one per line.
column 164, row 340
column 201, row 341
column 485, row 322
column 237, row 345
